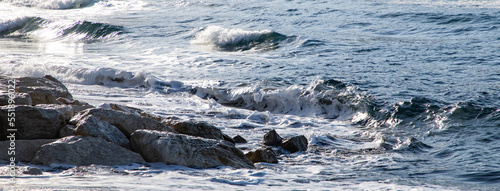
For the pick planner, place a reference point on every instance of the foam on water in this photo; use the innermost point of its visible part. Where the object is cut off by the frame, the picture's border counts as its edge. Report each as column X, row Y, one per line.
column 52, row 4
column 237, row 39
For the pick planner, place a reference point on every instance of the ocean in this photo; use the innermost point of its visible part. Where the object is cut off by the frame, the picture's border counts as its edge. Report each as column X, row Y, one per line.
column 391, row 94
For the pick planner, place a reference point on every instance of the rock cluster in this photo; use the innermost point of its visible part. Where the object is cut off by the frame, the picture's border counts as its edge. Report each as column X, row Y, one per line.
column 53, row 128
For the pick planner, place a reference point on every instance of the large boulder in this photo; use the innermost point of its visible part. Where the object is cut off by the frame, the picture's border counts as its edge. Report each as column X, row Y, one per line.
column 195, row 128
column 185, row 150
column 272, row 138
column 24, row 150
column 43, row 90
column 84, row 151
column 31, row 122
column 91, row 126
column 126, row 122
column 295, row 144
column 18, row 98
column 261, row 155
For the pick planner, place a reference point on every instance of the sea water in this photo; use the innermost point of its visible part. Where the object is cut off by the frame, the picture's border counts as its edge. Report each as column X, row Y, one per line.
column 391, row 94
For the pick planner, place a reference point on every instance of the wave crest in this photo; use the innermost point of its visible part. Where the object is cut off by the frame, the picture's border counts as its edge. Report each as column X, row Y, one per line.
column 320, row 99
column 79, row 31
column 52, row 4
column 238, row 39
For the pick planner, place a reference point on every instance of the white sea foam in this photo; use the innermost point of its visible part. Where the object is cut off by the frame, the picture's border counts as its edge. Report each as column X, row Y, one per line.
column 295, row 100
column 52, row 4
column 219, row 36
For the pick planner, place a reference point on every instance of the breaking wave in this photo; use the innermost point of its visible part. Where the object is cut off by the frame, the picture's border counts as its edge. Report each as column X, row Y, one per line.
column 79, row 31
column 322, row 98
column 224, row 39
column 52, row 4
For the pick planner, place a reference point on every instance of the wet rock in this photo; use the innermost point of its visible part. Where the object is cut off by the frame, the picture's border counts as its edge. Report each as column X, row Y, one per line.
column 272, row 138
column 126, row 122
column 25, row 150
column 91, row 126
column 84, row 151
column 239, row 139
column 67, row 130
column 42, row 90
column 196, row 128
column 261, row 155
column 185, row 150
column 31, row 122
column 295, row 144
column 33, row 171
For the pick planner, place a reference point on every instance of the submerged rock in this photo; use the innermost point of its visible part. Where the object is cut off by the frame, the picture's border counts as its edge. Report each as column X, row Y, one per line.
column 272, row 138
column 185, row 150
column 91, row 126
column 83, row 151
column 25, row 150
column 126, row 122
column 31, row 122
column 261, row 155
column 295, row 144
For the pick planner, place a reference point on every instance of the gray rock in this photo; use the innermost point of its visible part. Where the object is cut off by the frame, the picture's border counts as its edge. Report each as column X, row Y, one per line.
column 19, row 98
column 32, row 122
column 67, row 130
column 185, row 150
column 239, row 139
column 66, row 110
column 42, row 90
column 25, row 150
column 272, row 138
column 261, row 155
column 295, row 144
column 84, row 151
column 91, row 126
column 195, row 128
column 33, row 171
column 126, row 122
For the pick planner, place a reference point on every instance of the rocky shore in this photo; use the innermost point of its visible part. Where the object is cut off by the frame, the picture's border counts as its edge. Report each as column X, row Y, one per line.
column 53, row 128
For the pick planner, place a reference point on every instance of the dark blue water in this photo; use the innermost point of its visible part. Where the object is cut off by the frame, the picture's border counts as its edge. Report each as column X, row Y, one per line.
column 426, row 75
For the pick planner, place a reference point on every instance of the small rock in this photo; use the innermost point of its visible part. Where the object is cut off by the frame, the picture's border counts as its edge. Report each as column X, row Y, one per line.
column 239, row 139
column 91, row 126
column 84, row 151
column 33, row 171
column 295, row 144
column 261, row 155
column 272, row 138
